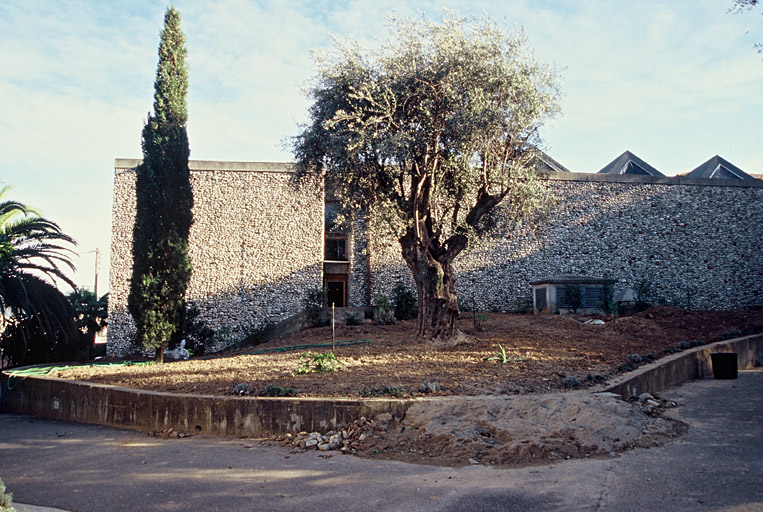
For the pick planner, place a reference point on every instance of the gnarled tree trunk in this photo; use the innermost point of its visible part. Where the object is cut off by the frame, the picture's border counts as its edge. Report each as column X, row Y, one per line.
column 435, row 285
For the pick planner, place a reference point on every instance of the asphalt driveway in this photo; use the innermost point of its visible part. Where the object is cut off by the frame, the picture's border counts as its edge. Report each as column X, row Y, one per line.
column 718, row 465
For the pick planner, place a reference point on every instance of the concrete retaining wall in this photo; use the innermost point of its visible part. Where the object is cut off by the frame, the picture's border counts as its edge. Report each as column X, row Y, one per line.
column 691, row 364
column 99, row 404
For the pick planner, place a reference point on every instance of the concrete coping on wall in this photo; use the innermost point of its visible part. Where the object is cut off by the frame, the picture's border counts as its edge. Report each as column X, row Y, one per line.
column 655, row 180
column 101, row 404
column 693, row 363
column 129, row 164
column 571, row 279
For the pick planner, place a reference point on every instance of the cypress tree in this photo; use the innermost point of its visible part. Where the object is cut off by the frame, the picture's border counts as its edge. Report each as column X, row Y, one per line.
column 161, row 264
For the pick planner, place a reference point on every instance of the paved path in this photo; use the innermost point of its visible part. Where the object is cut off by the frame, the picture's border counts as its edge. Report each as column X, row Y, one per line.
column 717, row 466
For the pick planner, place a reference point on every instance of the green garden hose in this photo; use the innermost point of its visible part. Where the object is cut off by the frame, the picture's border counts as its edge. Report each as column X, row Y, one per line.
column 36, row 371
column 340, row 343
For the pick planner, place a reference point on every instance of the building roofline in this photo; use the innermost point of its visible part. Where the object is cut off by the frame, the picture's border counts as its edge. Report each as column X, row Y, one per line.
column 657, row 180
column 127, row 164
column 616, row 166
column 711, row 166
column 216, row 165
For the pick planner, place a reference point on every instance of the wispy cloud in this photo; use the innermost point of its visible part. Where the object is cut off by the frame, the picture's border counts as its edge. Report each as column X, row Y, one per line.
column 673, row 82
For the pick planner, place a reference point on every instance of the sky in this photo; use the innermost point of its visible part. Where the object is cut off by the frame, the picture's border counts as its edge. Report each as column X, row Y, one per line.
column 674, row 82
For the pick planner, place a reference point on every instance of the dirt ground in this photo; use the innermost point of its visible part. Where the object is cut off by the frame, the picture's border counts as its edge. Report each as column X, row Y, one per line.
column 552, row 358
column 541, row 352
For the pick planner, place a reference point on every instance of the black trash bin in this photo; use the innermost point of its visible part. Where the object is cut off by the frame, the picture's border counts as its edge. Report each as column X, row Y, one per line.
column 724, row 365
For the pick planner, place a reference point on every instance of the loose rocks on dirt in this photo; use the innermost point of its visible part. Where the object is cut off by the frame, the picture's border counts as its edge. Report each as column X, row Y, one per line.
column 345, row 440
column 458, row 431
column 429, row 387
column 167, row 433
column 653, row 405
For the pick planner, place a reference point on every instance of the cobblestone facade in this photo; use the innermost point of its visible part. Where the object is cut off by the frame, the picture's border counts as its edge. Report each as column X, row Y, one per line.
column 692, row 242
column 257, row 245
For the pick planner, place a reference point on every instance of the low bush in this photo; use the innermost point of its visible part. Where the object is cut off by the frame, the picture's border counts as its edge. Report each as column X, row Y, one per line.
column 317, row 363
column 272, row 390
column 384, row 312
column 405, row 302
column 198, row 335
column 313, row 302
column 383, row 391
column 5, row 499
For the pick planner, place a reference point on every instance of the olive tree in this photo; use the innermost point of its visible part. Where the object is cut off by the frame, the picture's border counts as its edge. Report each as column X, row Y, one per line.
column 427, row 135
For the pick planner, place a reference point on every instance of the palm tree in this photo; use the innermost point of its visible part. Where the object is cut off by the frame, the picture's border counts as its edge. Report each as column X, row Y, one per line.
column 37, row 322
column 90, row 314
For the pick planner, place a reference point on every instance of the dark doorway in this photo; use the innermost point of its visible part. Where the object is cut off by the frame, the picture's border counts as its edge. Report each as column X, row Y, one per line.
column 335, row 293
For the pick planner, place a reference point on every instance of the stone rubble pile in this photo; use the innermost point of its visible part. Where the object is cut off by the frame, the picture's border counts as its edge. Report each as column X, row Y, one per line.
column 167, row 433
column 652, row 405
column 346, row 440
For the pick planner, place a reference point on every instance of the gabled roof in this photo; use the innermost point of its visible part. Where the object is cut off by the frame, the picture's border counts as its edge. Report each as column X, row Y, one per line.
column 628, row 163
column 719, row 168
column 545, row 163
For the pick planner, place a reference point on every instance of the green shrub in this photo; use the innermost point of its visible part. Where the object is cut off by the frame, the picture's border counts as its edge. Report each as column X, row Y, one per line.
column 353, row 320
column 383, row 311
column 573, row 296
column 5, row 499
column 255, row 334
column 643, row 295
column 197, row 334
column 317, row 363
column 405, row 301
column 313, row 301
column 500, row 356
column 220, row 338
column 608, row 303
column 524, row 306
column 382, row 391
column 503, row 358
column 273, row 390
column 479, row 321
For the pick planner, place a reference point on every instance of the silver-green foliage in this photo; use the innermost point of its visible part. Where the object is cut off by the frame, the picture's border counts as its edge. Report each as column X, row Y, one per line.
column 428, row 134
column 5, row 499
column 454, row 106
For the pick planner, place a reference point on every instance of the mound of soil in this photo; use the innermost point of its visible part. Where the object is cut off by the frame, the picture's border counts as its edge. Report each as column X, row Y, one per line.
column 521, row 411
column 522, row 429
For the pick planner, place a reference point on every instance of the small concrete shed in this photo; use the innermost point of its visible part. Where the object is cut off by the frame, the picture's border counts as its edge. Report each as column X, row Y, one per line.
column 558, row 294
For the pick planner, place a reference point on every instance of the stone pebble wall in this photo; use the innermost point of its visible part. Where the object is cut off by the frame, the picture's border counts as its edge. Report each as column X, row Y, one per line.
column 692, row 243
column 256, row 247
column 359, row 252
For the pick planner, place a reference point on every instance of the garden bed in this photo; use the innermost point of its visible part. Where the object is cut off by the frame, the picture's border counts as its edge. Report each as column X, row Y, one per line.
column 543, row 353
column 520, row 411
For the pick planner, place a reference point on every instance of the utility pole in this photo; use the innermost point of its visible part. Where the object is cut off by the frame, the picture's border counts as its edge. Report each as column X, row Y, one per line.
column 95, row 284
column 97, row 260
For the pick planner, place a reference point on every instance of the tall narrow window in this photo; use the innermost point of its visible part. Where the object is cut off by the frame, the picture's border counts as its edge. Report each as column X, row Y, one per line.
column 335, row 242
column 335, row 249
